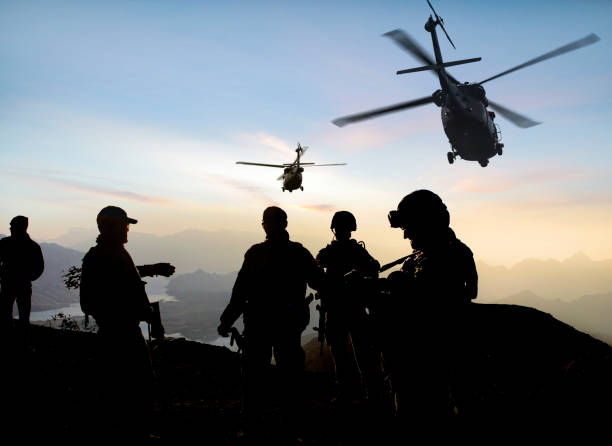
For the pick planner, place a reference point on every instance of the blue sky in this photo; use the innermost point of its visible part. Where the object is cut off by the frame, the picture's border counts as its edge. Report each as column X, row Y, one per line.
column 148, row 104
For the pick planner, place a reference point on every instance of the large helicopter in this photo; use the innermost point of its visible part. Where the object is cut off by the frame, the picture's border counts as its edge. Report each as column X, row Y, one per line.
column 292, row 173
column 469, row 126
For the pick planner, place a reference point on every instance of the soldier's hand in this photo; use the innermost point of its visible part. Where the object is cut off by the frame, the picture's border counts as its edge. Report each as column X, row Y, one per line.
column 224, row 330
column 163, row 269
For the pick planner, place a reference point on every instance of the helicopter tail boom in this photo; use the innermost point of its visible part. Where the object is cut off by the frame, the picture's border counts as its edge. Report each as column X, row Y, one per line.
column 440, row 65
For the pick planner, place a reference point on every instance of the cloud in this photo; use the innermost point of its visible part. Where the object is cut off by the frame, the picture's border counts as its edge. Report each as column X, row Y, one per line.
column 91, row 189
column 368, row 136
column 244, row 187
column 270, row 141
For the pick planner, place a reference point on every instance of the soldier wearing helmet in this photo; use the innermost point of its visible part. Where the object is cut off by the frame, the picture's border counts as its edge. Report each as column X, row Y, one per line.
column 347, row 263
column 441, row 266
column 269, row 293
column 431, row 294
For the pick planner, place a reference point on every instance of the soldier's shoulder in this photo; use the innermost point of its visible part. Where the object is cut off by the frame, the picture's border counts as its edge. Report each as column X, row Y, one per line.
column 324, row 251
column 462, row 249
column 94, row 253
column 255, row 249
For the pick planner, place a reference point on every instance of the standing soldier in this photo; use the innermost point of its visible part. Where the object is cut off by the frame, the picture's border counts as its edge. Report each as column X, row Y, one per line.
column 113, row 293
column 431, row 293
column 21, row 262
column 347, row 328
column 270, row 292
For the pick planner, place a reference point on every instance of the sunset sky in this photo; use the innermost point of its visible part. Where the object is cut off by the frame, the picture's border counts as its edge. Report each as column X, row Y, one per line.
column 148, row 105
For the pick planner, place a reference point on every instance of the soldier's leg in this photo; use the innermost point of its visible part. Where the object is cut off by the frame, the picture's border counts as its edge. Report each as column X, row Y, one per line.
column 7, row 301
column 338, row 339
column 257, row 356
column 367, row 357
column 290, row 359
column 24, row 304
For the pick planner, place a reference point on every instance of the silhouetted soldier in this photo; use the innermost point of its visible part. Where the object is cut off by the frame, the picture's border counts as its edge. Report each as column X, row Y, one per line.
column 348, row 331
column 432, row 291
column 114, row 294
column 21, row 262
column 270, row 292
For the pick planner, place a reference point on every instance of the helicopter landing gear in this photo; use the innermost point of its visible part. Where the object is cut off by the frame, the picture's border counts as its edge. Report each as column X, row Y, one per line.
column 451, row 157
column 500, row 146
column 302, row 188
column 283, row 189
column 484, row 163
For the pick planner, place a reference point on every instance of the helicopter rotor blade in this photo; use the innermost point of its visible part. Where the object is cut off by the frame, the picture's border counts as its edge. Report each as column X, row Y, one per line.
column 519, row 120
column 441, row 23
column 588, row 40
column 349, row 119
column 319, row 165
column 403, row 40
column 260, row 164
column 406, row 42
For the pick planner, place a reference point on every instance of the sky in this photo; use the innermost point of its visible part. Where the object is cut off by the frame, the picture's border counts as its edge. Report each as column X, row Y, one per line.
column 147, row 105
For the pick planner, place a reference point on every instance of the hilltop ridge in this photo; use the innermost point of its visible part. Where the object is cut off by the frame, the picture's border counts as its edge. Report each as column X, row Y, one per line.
column 518, row 366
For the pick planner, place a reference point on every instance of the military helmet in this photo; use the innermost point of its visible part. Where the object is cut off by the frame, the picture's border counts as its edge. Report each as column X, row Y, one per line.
column 344, row 219
column 423, row 205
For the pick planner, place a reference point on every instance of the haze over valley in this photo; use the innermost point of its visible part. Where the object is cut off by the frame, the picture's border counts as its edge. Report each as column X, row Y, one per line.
column 576, row 290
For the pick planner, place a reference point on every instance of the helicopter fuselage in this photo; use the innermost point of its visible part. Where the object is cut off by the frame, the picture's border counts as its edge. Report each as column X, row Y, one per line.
column 292, row 178
column 467, row 123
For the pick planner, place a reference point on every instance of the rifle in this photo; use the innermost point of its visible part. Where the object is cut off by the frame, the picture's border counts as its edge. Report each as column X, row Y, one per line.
column 392, row 264
column 322, row 309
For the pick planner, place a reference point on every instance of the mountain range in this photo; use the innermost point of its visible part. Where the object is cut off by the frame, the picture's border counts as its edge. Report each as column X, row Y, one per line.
column 576, row 290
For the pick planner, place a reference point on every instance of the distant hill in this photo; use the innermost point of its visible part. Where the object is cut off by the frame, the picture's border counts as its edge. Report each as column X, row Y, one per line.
column 201, row 297
column 591, row 314
column 550, row 279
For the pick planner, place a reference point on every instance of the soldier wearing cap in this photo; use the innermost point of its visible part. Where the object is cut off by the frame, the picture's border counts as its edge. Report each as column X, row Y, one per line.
column 113, row 292
column 347, row 263
column 431, row 292
column 21, row 262
column 270, row 294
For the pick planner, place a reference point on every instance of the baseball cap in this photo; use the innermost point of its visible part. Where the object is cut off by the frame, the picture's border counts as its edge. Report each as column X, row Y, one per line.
column 116, row 212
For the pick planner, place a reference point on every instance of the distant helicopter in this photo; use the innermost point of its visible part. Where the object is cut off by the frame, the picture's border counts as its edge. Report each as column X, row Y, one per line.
column 469, row 126
column 292, row 174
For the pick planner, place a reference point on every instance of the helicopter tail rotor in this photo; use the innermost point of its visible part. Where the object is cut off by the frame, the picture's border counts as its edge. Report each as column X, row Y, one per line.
column 440, row 22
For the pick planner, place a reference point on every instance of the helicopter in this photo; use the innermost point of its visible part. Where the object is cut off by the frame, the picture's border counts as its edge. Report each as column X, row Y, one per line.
column 468, row 124
column 292, row 173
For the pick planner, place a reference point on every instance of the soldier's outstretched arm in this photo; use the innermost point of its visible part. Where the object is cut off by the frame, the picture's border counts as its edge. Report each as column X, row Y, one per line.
column 156, row 269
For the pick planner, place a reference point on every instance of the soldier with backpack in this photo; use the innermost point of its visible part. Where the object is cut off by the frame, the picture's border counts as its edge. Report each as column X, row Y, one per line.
column 347, row 326
column 270, row 292
column 430, row 300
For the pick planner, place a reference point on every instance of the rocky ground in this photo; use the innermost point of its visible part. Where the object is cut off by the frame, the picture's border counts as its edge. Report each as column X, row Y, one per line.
column 522, row 370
